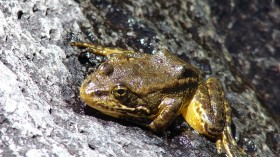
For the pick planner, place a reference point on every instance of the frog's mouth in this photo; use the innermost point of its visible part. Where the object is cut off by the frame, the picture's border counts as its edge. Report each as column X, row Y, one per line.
column 112, row 107
column 121, row 110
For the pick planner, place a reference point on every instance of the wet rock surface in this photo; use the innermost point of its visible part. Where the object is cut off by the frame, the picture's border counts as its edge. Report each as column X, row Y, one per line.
column 252, row 36
column 41, row 113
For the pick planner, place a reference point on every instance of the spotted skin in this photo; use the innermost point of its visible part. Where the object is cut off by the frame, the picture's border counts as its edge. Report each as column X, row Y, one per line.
column 153, row 90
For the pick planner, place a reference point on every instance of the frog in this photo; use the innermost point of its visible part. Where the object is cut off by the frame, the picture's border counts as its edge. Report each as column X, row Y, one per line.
column 154, row 89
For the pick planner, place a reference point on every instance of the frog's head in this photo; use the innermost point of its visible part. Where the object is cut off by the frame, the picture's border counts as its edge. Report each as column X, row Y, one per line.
column 107, row 90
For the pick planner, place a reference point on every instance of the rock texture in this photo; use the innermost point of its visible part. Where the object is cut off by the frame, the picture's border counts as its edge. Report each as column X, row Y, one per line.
column 252, row 36
column 41, row 113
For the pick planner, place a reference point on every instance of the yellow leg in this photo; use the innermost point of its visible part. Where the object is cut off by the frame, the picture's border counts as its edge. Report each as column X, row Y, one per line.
column 226, row 142
column 210, row 114
column 219, row 145
column 99, row 50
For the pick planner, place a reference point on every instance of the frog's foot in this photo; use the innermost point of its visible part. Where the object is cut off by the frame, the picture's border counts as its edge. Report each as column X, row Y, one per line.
column 226, row 144
column 225, row 141
column 99, row 50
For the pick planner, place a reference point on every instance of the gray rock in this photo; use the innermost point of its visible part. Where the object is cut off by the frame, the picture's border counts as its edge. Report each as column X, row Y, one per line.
column 41, row 113
column 252, row 36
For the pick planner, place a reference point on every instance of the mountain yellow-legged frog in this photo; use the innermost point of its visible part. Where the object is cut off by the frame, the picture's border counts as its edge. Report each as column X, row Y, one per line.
column 154, row 89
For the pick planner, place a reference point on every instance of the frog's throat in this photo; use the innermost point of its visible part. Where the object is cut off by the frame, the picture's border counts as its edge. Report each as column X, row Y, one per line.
column 122, row 111
column 114, row 108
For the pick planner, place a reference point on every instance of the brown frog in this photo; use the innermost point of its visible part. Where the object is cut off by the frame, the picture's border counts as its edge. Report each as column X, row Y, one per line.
column 154, row 89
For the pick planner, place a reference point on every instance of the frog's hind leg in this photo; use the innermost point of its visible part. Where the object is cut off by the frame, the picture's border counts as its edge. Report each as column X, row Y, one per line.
column 226, row 137
column 225, row 141
column 98, row 49
column 205, row 113
column 209, row 113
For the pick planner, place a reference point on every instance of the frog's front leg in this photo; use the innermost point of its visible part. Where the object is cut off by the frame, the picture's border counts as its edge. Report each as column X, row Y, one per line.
column 98, row 49
column 209, row 113
column 168, row 110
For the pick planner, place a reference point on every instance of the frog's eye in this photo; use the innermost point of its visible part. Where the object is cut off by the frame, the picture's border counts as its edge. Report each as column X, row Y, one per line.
column 119, row 91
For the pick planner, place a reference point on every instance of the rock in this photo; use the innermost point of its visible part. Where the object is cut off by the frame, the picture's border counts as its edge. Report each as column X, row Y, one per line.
column 41, row 113
column 251, row 32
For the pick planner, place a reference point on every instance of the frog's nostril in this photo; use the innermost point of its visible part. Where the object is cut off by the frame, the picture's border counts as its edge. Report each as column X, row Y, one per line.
column 88, row 82
column 98, row 93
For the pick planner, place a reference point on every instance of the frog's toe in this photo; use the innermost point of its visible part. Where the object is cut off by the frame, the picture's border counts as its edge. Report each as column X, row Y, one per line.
column 224, row 144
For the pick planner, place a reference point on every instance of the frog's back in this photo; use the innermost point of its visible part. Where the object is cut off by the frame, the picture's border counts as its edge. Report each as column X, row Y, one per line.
column 144, row 71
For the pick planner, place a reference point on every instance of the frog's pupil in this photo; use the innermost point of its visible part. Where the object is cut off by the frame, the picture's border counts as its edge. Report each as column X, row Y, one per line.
column 121, row 91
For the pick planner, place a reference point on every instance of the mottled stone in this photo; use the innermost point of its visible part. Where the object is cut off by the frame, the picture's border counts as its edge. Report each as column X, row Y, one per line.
column 252, row 36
